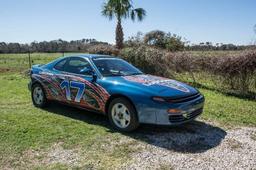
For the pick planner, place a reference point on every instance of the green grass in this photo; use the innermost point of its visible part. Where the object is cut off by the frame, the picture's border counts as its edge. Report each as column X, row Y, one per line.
column 20, row 62
column 221, row 103
column 24, row 128
column 229, row 110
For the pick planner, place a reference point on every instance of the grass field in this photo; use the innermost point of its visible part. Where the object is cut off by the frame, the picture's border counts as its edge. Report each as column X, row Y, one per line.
column 29, row 135
column 24, row 127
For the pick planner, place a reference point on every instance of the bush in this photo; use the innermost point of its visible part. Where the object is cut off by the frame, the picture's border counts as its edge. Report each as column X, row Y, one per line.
column 164, row 40
column 236, row 73
column 157, row 39
column 239, row 72
column 174, row 43
column 149, row 60
column 103, row 49
column 232, row 72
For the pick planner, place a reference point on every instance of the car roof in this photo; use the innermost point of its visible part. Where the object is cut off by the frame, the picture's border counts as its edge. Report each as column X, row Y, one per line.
column 91, row 56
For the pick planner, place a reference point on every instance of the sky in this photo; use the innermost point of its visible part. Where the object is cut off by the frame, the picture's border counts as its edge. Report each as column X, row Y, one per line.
column 217, row 21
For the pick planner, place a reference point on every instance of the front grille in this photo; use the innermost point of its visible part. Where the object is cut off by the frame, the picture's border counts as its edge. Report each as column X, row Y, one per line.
column 183, row 118
column 183, row 99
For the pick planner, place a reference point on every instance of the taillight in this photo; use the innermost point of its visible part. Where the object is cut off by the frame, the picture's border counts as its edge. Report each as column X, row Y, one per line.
column 30, row 72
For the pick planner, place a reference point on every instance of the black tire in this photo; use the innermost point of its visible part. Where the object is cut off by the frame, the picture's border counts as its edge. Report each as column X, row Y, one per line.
column 134, row 123
column 44, row 101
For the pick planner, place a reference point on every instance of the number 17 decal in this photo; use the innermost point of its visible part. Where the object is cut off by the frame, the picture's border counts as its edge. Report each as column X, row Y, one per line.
column 73, row 84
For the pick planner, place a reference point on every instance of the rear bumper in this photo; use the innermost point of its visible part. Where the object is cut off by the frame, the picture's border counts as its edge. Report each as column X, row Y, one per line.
column 30, row 86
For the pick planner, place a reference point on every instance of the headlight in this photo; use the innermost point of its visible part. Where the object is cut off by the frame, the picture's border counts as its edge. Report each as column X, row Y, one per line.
column 158, row 99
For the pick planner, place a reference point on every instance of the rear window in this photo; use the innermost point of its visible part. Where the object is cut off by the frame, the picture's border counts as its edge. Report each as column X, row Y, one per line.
column 60, row 65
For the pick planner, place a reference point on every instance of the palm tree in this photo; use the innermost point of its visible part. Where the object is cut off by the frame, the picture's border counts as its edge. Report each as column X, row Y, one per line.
column 122, row 9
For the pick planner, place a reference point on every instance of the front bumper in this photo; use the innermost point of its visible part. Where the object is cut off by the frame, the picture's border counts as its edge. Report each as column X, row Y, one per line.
column 186, row 117
column 157, row 112
column 190, row 111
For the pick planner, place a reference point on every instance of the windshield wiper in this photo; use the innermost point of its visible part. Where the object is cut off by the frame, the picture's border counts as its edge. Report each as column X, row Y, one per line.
column 134, row 74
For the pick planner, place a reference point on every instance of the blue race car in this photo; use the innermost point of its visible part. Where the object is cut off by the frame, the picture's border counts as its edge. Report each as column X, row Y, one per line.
column 113, row 87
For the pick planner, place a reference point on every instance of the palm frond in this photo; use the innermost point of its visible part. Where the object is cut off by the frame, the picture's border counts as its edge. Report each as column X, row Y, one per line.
column 107, row 11
column 133, row 17
column 140, row 13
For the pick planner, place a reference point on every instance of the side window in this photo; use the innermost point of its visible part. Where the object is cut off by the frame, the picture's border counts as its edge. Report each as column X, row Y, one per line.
column 78, row 66
column 60, row 65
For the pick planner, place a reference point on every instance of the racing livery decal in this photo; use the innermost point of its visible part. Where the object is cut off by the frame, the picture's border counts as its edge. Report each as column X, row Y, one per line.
column 74, row 90
column 149, row 80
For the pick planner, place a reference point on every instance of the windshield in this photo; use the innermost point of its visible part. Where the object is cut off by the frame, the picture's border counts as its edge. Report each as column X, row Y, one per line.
column 115, row 67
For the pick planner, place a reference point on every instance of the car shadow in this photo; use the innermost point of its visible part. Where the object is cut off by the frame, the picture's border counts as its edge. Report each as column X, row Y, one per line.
column 193, row 137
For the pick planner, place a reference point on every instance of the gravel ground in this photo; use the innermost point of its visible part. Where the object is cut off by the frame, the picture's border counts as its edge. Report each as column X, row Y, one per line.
column 196, row 146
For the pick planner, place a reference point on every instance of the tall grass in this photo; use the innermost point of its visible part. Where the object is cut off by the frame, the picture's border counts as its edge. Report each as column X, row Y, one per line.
column 228, row 72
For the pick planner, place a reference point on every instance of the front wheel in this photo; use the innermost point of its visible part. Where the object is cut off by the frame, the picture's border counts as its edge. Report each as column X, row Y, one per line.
column 122, row 115
column 38, row 96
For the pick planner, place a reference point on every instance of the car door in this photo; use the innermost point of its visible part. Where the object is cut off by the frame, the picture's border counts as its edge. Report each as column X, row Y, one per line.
column 78, row 85
column 54, row 79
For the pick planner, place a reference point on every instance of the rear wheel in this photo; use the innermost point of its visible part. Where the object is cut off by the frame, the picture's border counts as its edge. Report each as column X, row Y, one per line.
column 38, row 96
column 122, row 115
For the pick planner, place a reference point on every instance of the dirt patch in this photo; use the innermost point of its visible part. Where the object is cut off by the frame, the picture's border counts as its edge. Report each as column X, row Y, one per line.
column 32, row 159
column 234, row 144
column 253, row 136
column 58, row 155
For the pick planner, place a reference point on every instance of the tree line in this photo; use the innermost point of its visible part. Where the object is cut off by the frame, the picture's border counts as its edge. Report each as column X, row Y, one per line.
column 50, row 46
column 158, row 39
column 173, row 42
column 207, row 46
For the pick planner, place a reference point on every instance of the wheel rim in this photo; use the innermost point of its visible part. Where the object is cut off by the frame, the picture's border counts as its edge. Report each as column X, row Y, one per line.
column 38, row 95
column 120, row 115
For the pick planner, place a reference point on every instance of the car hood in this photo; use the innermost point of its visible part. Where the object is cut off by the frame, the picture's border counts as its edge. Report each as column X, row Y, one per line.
column 157, row 86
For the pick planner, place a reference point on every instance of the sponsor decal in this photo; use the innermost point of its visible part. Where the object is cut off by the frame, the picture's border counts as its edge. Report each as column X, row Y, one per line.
column 149, row 80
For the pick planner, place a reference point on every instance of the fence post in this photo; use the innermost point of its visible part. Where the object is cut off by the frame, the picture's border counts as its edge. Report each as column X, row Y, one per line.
column 29, row 59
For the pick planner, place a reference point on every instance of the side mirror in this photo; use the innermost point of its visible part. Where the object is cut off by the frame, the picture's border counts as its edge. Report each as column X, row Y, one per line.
column 94, row 77
column 86, row 70
column 89, row 71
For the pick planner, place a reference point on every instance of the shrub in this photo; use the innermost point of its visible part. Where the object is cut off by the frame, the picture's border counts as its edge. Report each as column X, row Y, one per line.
column 164, row 40
column 134, row 41
column 103, row 49
column 174, row 43
column 239, row 72
column 149, row 60
column 236, row 73
column 157, row 39
column 233, row 72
